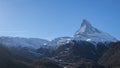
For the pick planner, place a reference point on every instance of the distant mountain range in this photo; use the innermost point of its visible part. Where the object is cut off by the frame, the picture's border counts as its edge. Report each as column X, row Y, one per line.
column 88, row 48
column 86, row 33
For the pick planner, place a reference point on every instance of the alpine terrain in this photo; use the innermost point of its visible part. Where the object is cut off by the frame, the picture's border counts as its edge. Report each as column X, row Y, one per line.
column 88, row 48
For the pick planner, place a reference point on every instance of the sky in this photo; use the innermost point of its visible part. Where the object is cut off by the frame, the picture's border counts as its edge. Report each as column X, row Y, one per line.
column 49, row 19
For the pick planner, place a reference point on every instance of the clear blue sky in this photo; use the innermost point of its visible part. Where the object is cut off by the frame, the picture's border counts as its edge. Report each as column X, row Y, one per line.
column 49, row 19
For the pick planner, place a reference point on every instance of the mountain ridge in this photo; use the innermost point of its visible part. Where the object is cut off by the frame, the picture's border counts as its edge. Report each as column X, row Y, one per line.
column 82, row 50
column 86, row 32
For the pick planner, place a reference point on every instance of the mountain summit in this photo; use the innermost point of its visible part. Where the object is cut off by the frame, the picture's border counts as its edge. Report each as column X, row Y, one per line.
column 89, row 33
column 86, row 28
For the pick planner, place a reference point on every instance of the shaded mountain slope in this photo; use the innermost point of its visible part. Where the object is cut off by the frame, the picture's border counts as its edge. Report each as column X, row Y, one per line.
column 111, row 58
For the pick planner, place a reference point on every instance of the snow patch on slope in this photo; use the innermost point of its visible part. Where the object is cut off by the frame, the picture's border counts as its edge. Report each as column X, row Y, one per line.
column 59, row 41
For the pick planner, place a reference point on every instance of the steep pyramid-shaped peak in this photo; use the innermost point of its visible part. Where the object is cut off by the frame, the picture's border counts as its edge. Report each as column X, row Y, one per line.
column 85, row 22
column 86, row 27
column 89, row 33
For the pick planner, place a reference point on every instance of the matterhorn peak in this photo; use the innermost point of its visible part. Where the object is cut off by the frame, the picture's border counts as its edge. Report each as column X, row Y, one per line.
column 85, row 22
column 86, row 27
column 88, row 32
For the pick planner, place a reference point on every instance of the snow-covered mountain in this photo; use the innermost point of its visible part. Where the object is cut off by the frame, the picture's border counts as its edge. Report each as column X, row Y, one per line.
column 89, row 33
column 86, row 33
column 23, row 42
column 85, row 37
